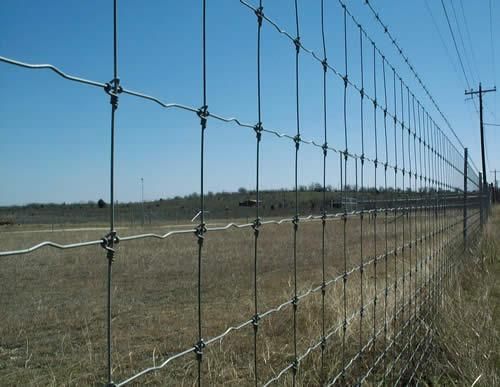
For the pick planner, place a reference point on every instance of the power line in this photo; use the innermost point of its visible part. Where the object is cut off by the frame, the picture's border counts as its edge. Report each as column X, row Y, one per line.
column 458, row 53
column 466, row 57
column 450, row 59
column 492, row 45
column 493, row 53
column 412, row 69
column 492, row 113
column 469, row 39
column 443, row 41
column 452, row 62
column 474, row 62
column 456, row 46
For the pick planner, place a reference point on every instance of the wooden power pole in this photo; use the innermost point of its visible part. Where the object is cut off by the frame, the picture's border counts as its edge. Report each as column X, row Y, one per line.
column 481, row 123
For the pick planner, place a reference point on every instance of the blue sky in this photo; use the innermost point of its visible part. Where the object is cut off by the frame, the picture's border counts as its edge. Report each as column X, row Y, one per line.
column 55, row 134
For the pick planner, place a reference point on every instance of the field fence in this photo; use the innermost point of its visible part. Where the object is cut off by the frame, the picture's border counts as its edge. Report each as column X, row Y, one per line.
column 416, row 204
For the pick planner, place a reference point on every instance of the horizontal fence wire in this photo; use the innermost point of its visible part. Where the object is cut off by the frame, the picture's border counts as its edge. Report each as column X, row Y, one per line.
column 338, row 216
column 418, row 221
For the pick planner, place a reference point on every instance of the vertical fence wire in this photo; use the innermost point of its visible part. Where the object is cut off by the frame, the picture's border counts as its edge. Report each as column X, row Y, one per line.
column 256, row 224
column 344, row 190
column 403, row 214
column 435, row 223
column 386, row 224
column 415, row 212
column 324, row 212
column 432, row 167
column 375, row 173
column 422, row 204
column 109, row 242
column 361, row 214
column 410, row 205
column 428, row 238
column 441, row 211
column 395, row 218
column 296, row 217
column 201, row 229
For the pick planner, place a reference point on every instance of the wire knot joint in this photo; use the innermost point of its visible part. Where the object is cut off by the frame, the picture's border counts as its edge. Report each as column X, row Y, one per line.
column 255, row 321
column 198, row 349
column 259, row 12
column 297, row 140
column 297, row 44
column 256, row 226
column 258, row 128
column 323, row 342
column 113, row 89
column 203, row 114
column 200, row 232
column 108, row 242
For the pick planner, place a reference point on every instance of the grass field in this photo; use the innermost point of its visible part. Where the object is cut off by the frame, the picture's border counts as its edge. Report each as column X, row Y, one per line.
column 466, row 349
column 52, row 325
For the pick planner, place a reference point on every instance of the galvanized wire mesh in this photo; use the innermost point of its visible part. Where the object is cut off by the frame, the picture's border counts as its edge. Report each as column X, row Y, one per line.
column 412, row 231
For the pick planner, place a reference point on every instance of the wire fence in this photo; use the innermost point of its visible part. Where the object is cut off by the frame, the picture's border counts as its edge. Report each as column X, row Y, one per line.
column 403, row 229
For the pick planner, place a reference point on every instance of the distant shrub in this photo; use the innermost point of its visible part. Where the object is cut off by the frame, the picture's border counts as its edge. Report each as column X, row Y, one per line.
column 101, row 203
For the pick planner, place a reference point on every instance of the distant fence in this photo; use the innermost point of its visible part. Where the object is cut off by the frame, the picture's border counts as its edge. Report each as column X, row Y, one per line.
column 408, row 243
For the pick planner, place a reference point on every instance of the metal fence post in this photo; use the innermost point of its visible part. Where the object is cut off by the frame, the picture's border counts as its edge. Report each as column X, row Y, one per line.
column 466, row 163
column 490, row 199
column 481, row 200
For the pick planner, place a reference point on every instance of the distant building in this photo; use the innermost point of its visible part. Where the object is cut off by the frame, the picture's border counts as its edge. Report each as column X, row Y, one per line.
column 249, row 203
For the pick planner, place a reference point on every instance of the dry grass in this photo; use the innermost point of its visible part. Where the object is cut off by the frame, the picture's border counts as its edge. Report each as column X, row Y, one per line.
column 52, row 326
column 466, row 348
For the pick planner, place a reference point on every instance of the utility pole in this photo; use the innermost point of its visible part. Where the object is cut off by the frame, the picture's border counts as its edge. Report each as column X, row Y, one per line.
column 481, row 124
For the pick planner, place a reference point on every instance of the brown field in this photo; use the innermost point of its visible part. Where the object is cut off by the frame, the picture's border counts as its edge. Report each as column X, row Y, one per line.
column 53, row 320
column 466, row 346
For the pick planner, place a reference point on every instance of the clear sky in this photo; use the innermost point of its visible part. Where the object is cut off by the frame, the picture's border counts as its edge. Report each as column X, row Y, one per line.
column 55, row 134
